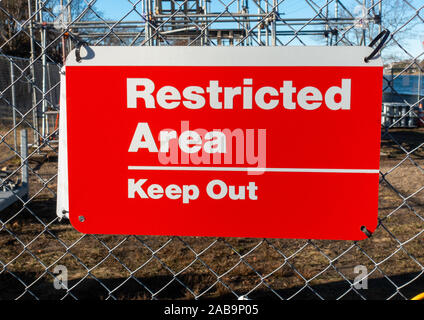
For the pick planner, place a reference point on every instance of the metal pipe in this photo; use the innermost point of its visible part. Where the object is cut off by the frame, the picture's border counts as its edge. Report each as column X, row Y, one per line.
column 180, row 36
column 12, row 80
column 200, row 18
column 336, row 16
column 24, row 156
column 419, row 85
column 273, row 24
column 32, row 55
column 266, row 25
column 260, row 24
column 63, row 37
column 147, row 35
column 364, row 17
column 44, row 84
column 326, row 18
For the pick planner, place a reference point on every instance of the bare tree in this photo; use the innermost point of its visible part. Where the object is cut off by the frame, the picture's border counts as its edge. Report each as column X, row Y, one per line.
column 13, row 14
column 15, row 23
column 395, row 15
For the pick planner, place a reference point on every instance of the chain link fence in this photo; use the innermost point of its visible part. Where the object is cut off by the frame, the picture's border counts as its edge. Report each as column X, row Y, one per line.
column 42, row 257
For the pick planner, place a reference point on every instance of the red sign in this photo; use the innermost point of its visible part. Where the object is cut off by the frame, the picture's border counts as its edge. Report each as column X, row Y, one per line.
column 278, row 151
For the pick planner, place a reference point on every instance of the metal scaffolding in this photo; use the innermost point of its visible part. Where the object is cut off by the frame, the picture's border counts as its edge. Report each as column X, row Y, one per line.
column 187, row 22
column 237, row 22
column 193, row 22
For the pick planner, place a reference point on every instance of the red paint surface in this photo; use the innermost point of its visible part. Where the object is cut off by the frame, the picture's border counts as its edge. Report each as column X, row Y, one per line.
column 289, row 205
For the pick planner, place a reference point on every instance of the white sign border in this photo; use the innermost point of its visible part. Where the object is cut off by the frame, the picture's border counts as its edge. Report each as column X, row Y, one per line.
column 308, row 56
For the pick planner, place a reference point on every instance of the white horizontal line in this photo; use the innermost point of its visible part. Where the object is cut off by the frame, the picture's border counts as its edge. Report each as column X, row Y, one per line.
column 249, row 169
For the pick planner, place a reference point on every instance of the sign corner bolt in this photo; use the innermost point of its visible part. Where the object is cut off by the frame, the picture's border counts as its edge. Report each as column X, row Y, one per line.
column 366, row 231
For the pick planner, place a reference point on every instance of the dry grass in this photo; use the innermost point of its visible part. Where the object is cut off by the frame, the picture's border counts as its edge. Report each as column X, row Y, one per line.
column 39, row 248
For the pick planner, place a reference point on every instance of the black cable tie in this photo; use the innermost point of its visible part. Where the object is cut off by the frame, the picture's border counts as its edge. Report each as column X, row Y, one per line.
column 78, row 49
column 384, row 35
column 366, row 231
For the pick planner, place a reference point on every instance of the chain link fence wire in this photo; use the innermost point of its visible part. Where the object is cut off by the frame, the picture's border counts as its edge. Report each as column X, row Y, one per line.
column 44, row 258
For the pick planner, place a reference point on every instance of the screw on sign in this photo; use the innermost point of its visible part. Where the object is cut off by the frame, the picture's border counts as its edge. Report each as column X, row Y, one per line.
column 204, row 141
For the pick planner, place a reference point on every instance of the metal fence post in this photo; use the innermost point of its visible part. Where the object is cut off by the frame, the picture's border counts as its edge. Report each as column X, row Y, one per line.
column 24, row 156
column 12, row 80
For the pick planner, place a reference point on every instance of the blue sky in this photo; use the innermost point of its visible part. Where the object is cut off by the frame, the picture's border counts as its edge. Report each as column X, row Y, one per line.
column 116, row 9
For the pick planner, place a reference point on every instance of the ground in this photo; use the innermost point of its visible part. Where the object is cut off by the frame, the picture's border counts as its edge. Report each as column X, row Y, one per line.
column 32, row 240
